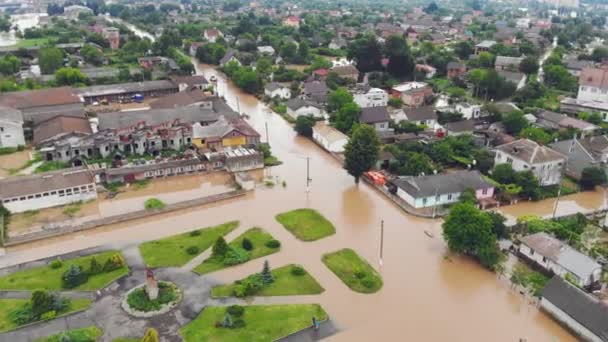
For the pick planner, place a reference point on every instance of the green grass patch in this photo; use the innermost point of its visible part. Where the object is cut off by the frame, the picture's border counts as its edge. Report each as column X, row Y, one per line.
column 50, row 166
column 154, row 204
column 8, row 306
column 47, row 278
column 172, row 251
column 167, row 293
column 72, row 209
column 262, row 323
column 353, row 270
column 306, row 224
column 32, row 42
column 258, row 238
column 87, row 334
column 286, row 283
column 529, row 279
column 141, row 184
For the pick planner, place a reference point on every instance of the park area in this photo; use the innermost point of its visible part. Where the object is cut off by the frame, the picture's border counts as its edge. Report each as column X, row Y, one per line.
column 306, row 224
column 353, row 270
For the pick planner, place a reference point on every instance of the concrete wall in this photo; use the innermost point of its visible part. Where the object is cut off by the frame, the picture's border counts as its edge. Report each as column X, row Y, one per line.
column 11, row 134
column 587, row 93
column 565, row 319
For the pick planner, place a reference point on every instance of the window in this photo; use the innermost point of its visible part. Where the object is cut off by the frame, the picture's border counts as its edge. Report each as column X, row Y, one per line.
column 449, row 197
column 424, row 201
column 438, row 198
column 38, row 195
column 22, row 198
column 509, row 160
column 30, row 196
column 46, row 194
column 53, row 192
column 531, row 251
column 544, row 259
column 1, row 129
column 484, row 191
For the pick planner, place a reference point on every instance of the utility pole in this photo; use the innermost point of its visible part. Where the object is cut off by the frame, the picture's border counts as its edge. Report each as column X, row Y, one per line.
column 238, row 106
column 308, row 179
column 381, row 240
column 559, row 192
column 267, row 139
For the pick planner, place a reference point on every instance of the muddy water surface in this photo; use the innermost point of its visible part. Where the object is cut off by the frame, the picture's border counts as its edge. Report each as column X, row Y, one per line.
column 426, row 296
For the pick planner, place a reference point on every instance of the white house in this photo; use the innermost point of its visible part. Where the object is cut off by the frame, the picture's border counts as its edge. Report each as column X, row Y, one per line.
column 593, row 85
column 275, row 89
column 329, row 138
column 377, row 117
column 431, row 190
column 583, row 314
column 468, row 111
column 556, row 256
column 370, row 97
column 298, row 107
column 526, row 155
column 266, row 50
column 45, row 190
column 212, row 35
column 11, row 127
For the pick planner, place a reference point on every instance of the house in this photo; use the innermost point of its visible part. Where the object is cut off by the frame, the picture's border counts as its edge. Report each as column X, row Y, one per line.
column 484, row 46
column 189, row 83
column 506, row 37
column 468, row 111
column 193, row 47
column 49, row 189
column 593, row 84
column 11, row 128
column 60, row 126
column 590, row 151
column 421, row 116
column 74, row 11
column 574, row 106
column 582, row 313
column 429, row 71
column 298, row 107
column 41, row 104
column 365, row 96
column 553, row 120
column 158, row 168
column 224, row 133
column 185, row 99
column 212, row 35
column 275, row 89
column 329, row 138
column 430, row 190
column 412, row 94
column 526, row 155
column 346, row 71
column 266, row 50
column 557, row 257
column 455, row 69
column 375, row 116
column 515, row 77
column 112, row 35
column 523, row 23
column 316, row 91
column 507, row 63
column 337, row 43
column 461, row 127
column 151, row 62
column 230, row 56
column 576, row 66
column 292, row 21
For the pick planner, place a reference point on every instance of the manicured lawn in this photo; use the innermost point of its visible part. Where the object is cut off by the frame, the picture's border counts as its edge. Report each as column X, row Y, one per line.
column 7, row 306
column 46, row 278
column 353, row 270
column 285, row 284
column 306, row 224
column 27, row 43
column 171, row 251
column 258, row 238
column 88, row 334
column 262, row 323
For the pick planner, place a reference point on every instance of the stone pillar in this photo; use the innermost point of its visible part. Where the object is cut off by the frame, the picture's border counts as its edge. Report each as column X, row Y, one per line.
column 151, row 285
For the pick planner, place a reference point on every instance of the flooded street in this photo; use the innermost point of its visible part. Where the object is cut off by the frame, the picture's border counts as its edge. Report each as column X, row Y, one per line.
column 426, row 295
column 22, row 22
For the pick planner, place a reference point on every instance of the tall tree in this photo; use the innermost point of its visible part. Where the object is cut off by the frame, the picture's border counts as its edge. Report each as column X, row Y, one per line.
column 401, row 63
column 338, row 98
column 468, row 230
column 361, row 152
column 50, row 59
column 367, row 52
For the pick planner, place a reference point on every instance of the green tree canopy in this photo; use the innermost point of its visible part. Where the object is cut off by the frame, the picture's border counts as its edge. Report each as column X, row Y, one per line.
column 50, row 59
column 361, row 151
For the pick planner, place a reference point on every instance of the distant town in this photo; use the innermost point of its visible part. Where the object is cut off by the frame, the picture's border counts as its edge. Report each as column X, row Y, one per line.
column 294, row 171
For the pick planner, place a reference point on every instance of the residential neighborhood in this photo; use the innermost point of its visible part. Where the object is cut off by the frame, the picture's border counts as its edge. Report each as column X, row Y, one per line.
column 192, row 171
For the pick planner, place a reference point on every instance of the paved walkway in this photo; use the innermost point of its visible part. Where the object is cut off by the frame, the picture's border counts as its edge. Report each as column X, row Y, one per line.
column 207, row 253
column 326, row 329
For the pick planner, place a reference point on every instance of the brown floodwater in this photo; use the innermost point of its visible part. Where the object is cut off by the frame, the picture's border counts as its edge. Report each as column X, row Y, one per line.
column 427, row 296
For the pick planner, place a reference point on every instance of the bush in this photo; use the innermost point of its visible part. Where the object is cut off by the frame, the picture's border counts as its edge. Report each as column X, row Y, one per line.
column 113, row 263
column 55, row 264
column 47, row 316
column 235, row 256
column 42, row 302
column 192, row 250
column 220, row 248
column 298, row 270
column 239, row 323
column 273, row 243
column 246, row 244
column 95, row 267
column 195, row 233
column 23, row 315
column 249, row 286
column 154, row 204
column 138, row 299
column 235, row 310
column 74, row 277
